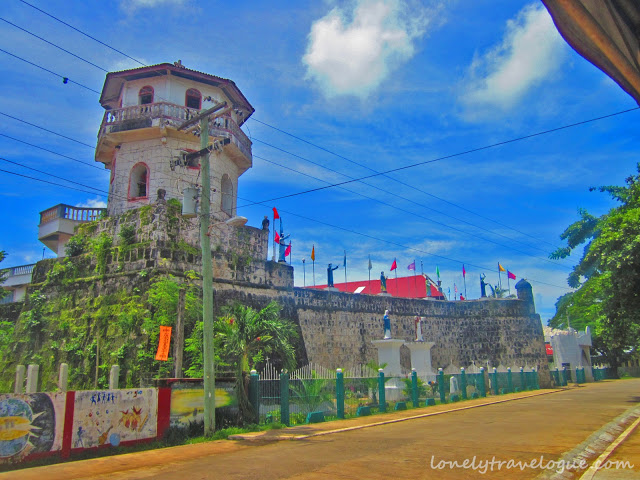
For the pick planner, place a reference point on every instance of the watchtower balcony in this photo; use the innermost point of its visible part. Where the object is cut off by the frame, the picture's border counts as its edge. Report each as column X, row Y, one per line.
column 57, row 224
column 154, row 120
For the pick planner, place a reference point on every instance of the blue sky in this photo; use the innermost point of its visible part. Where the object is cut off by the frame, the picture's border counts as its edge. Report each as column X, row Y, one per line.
column 378, row 84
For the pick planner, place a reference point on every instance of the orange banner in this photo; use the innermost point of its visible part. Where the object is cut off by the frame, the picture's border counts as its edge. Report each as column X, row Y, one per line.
column 163, row 344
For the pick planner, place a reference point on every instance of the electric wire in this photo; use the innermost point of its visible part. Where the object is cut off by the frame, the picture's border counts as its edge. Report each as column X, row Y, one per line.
column 51, row 72
column 47, row 130
column 53, row 44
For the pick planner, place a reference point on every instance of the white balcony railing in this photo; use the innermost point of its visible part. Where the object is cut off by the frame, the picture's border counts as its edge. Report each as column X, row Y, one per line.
column 78, row 214
column 170, row 114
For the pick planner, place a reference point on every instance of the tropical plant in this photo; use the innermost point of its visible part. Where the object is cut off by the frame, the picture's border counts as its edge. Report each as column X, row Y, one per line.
column 3, row 275
column 608, row 274
column 311, row 394
column 372, row 382
column 407, row 390
column 244, row 336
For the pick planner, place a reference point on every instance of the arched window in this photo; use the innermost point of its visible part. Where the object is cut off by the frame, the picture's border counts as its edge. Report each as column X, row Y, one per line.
column 227, row 195
column 193, row 99
column 145, row 95
column 139, row 182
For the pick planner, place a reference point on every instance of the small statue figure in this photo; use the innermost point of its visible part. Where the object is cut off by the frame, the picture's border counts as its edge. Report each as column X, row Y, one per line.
column 383, row 283
column 483, row 286
column 282, row 245
column 453, row 385
column 265, row 223
column 330, row 270
column 161, row 194
column 419, row 330
column 387, row 325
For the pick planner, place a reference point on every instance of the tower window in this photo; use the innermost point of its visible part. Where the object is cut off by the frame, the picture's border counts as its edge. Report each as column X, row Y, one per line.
column 145, row 95
column 139, row 182
column 227, row 195
column 193, row 99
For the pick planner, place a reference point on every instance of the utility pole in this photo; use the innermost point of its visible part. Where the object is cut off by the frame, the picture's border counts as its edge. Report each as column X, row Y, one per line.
column 207, row 269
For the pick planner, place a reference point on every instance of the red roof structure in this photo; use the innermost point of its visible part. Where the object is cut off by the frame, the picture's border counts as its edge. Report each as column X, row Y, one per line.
column 407, row 287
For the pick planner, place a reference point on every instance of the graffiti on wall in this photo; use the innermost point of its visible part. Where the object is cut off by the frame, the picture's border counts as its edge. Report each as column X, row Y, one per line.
column 29, row 424
column 187, row 401
column 109, row 417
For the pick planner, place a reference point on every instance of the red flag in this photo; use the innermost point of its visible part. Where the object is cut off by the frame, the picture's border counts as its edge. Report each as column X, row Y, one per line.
column 287, row 250
column 313, row 253
column 277, row 238
column 464, row 272
column 394, row 265
column 511, row 275
column 275, row 214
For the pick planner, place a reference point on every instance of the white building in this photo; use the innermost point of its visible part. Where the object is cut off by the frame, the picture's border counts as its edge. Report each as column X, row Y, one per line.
column 570, row 349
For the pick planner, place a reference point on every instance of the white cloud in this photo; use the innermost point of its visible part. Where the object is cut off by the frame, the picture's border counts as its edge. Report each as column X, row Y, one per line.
column 93, row 203
column 531, row 51
column 352, row 50
column 131, row 5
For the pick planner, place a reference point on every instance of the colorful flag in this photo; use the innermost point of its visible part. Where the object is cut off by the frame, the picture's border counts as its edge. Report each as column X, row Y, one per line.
column 394, row 265
column 438, row 272
column 313, row 253
column 370, row 266
column 287, row 250
column 501, row 268
column 511, row 275
column 277, row 239
column 275, row 214
column 164, row 341
column 464, row 272
column 412, row 266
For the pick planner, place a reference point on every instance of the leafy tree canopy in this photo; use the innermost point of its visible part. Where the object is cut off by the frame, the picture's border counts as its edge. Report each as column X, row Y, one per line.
column 607, row 277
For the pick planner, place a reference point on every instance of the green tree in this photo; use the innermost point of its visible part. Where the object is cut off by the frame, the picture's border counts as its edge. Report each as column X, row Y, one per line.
column 244, row 336
column 607, row 277
column 4, row 274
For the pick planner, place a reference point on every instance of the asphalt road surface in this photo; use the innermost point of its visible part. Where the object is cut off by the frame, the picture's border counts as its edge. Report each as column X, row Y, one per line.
column 532, row 430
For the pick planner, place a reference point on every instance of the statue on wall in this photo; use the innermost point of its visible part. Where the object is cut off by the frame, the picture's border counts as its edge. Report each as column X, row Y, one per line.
column 387, row 325
column 265, row 223
column 330, row 270
column 483, row 286
column 383, row 283
column 282, row 245
column 419, row 337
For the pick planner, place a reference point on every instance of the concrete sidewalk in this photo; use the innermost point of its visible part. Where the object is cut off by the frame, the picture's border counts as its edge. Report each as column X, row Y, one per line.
column 164, row 456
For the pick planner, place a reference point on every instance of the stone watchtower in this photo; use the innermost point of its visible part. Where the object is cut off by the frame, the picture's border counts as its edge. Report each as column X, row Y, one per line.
column 140, row 144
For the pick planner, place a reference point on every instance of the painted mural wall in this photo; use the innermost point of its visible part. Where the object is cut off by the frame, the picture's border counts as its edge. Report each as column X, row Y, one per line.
column 187, row 402
column 30, row 424
column 110, row 417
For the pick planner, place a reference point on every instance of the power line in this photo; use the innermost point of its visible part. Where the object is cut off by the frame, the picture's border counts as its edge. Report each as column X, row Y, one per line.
column 64, row 79
column 423, row 217
column 51, row 183
column 47, row 130
column 399, row 181
column 81, row 32
column 53, row 44
column 453, row 155
column 92, row 165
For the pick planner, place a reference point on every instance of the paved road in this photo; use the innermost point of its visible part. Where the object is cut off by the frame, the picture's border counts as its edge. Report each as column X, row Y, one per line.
column 542, row 426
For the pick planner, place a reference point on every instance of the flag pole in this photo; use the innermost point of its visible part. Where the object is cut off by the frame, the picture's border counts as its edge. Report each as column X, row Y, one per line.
column 345, row 270
column 369, row 274
column 508, row 286
column 499, row 278
column 273, row 257
column 304, row 274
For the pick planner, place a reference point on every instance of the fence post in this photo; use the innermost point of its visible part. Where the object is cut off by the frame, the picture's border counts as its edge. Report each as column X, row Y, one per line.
column 414, row 388
column 340, row 393
column 19, row 386
column 32, row 378
column 509, row 380
column 441, row 386
column 536, row 379
column 381, row 393
column 495, row 385
column 564, row 376
column 483, row 391
column 114, row 377
column 523, row 380
column 254, row 393
column 463, row 383
column 284, row 399
column 63, row 377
